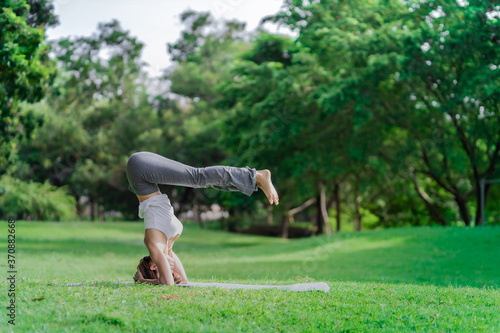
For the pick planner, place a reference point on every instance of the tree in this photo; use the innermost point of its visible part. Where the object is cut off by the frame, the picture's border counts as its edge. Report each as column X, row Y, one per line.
column 96, row 114
column 411, row 65
column 451, row 76
column 25, row 68
column 271, row 123
column 203, row 57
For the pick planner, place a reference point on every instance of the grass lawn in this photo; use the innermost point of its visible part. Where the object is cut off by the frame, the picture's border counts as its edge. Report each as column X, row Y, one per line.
column 398, row 280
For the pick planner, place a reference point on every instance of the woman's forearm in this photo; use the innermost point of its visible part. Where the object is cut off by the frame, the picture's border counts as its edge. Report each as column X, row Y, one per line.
column 163, row 267
column 179, row 269
column 165, row 273
column 140, row 279
column 150, row 281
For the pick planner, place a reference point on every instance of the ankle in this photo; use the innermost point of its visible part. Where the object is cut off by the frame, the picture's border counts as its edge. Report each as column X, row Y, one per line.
column 262, row 177
column 259, row 177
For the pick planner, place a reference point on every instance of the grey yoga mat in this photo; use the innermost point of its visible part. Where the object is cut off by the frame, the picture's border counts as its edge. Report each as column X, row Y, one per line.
column 322, row 286
column 295, row 287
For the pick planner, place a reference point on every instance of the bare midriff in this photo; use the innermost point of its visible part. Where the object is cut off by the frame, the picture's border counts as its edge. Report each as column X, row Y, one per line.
column 145, row 197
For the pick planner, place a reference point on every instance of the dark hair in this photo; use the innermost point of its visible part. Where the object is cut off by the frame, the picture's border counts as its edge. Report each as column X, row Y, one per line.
column 144, row 268
column 147, row 273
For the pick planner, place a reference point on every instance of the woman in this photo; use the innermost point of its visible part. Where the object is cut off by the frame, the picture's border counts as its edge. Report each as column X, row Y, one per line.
column 145, row 171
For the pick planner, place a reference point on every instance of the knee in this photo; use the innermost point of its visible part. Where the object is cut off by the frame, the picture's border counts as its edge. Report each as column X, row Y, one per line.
column 135, row 158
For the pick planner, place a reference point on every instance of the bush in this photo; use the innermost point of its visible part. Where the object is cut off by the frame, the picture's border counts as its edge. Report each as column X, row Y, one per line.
column 41, row 201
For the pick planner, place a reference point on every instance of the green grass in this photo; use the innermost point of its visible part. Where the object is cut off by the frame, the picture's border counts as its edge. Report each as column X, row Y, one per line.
column 398, row 280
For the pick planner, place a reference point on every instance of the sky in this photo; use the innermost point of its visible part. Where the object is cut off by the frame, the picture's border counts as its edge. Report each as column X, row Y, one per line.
column 154, row 22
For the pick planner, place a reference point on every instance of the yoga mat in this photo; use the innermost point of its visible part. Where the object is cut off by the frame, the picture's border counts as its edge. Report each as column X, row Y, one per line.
column 322, row 286
column 294, row 287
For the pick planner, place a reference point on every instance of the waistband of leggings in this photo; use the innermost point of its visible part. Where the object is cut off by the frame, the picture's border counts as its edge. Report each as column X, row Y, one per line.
column 163, row 198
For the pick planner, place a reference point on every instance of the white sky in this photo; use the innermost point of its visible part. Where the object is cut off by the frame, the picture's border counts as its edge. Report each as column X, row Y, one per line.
column 153, row 22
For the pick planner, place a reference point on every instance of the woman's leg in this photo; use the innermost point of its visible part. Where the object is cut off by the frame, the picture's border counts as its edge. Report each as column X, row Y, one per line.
column 145, row 170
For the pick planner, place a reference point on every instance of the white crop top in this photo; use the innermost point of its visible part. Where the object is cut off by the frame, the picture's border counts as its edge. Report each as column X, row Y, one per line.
column 158, row 213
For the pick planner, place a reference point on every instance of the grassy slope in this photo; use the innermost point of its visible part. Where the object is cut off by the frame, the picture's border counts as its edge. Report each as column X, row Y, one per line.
column 420, row 279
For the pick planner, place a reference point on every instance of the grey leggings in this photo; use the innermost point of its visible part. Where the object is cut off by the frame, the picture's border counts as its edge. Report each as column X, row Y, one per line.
column 146, row 170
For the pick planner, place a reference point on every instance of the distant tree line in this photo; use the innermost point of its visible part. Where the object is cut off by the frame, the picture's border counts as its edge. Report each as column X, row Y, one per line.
column 378, row 114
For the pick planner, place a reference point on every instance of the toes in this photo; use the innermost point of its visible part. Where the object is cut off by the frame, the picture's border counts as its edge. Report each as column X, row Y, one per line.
column 275, row 199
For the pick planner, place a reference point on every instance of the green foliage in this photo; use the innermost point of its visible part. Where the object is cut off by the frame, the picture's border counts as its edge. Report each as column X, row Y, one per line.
column 39, row 201
column 25, row 68
column 101, row 67
column 95, row 116
column 41, row 14
column 196, row 77
column 393, row 103
column 382, row 96
column 272, row 48
column 192, row 37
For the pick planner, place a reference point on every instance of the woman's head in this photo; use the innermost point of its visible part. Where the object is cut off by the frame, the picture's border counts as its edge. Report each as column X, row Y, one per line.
column 149, row 270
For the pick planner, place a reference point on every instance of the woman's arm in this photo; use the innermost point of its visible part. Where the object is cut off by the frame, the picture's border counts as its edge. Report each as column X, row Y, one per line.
column 171, row 262
column 179, row 269
column 139, row 278
column 163, row 266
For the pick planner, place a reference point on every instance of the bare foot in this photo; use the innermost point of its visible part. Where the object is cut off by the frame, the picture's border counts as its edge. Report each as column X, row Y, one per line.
column 265, row 184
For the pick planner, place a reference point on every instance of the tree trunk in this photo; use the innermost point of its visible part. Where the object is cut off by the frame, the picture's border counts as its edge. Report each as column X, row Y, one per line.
column 479, row 221
column 336, row 191
column 324, row 211
column 433, row 209
column 319, row 216
column 225, row 222
column 270, row 215
column 196, row 211
column 184, row 199
column 79, row 208
column 101, row 213
column 462, row 206
column 358, row 226
column 92, row 208
column 284, row 226
column 231, row 226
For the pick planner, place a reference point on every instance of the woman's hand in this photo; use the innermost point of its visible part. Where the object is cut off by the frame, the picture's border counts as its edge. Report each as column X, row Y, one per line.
column 138, row 278
column 179, row 269
column 171, row 261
